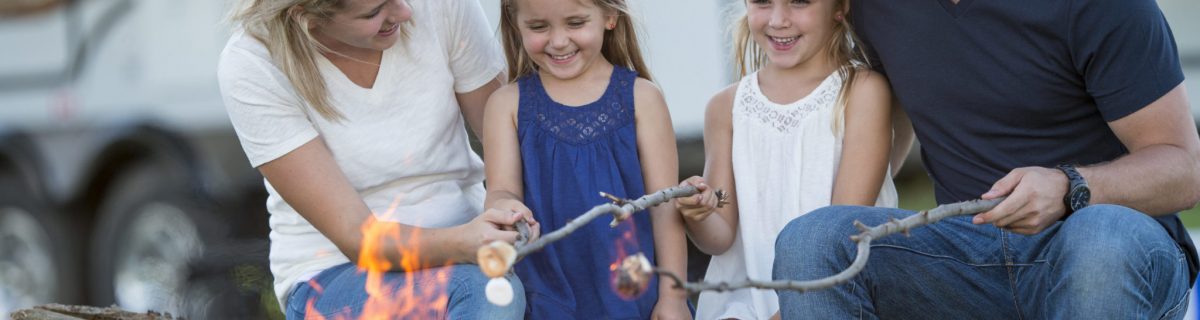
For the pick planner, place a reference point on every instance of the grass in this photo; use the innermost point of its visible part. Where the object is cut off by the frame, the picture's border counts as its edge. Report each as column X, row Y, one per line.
column 916, row 193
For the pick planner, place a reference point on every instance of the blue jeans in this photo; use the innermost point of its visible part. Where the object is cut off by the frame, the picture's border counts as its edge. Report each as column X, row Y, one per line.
column 1104, row 262
column 340, row 294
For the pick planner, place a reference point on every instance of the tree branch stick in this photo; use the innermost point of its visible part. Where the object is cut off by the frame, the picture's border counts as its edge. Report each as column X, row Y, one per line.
column 619, row 210
column 860, row 260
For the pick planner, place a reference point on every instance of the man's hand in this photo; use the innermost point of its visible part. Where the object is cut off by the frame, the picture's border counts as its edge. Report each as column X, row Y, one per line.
column 699, row 206
column 1035, row 200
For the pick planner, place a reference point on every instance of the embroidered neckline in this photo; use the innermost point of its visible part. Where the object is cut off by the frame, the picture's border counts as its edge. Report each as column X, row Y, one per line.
column 586, row 123
column 785, row 118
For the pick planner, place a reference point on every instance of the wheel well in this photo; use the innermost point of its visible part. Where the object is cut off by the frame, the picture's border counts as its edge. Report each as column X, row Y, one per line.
column 131, row 146
column 20, row 160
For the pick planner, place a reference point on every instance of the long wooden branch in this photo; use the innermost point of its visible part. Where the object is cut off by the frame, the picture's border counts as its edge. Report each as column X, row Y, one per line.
column 620, row 210
column 497, row 258
column 634, row 271
column 860, row 260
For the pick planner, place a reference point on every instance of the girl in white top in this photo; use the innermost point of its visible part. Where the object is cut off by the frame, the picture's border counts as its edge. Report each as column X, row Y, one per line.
column 353, row 111
column 809, row 128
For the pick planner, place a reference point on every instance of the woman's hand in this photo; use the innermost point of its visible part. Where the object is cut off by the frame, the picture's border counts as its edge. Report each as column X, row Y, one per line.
column 491, row 225
column 699, row 206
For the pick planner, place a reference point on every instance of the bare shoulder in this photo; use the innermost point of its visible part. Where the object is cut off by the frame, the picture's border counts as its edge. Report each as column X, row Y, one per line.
column 504, row 99
column 646, row 89
column 869, row 80
column 870, row 87
column 722, row 101
column 646, row 94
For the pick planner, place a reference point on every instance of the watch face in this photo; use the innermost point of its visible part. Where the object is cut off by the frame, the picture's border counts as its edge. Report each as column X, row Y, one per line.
column 1080, row 196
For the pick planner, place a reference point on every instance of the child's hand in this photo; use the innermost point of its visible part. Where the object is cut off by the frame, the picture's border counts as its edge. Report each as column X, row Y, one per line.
column 535, row 230
column 699, row 206
column 670, row 309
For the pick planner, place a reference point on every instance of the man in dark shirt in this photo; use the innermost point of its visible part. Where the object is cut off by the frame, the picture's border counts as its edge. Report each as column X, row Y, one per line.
column 1076, row 111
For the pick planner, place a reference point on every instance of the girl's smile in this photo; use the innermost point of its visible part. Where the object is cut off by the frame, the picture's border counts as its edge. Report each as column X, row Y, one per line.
column 564, row 38
column 783, row 43
column 565, row 58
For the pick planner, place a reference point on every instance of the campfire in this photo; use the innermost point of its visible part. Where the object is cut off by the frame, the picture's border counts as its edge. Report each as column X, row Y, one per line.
column 387, row 300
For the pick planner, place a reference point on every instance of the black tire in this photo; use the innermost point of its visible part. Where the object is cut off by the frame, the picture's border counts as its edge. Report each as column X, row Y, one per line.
column 38, row 261
column 232, row 282
column 150, row 226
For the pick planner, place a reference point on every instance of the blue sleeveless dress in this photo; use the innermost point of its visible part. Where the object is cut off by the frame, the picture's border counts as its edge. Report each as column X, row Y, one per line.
column 570, row 154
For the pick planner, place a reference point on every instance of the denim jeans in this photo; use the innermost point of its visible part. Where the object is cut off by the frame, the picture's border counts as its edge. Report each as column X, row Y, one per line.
column 1104, row 262
column 340, row 293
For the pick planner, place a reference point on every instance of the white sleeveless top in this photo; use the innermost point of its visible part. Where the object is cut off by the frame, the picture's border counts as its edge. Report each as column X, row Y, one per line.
column 785, row 158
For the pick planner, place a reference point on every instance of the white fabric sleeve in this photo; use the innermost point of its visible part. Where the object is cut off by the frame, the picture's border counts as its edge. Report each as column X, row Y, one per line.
column 473, row 51
column 268, row 118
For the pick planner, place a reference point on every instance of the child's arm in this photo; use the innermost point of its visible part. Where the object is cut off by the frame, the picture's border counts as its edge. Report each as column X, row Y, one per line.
column 473, row 104
column 866, row 143
column 502, row 155
column 660, row 169
column 714, row 233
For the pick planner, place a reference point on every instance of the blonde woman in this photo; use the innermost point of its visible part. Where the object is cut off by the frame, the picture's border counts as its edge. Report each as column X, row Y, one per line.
column 353, row 111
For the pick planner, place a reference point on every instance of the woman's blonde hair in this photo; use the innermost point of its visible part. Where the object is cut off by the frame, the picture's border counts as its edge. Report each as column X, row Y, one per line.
column 620, row 44
column 284, row 27
column 845, row 51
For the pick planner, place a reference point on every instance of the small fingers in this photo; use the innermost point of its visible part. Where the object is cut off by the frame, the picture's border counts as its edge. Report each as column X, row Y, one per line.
column 695, row 181
column 525, row 215
column 535, row 231
column 689, row 201
column 501, row 217
column 711, row 201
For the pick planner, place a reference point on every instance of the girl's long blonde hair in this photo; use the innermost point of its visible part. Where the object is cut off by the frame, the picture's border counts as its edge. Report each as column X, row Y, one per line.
column 620, row 44
column 844, row 50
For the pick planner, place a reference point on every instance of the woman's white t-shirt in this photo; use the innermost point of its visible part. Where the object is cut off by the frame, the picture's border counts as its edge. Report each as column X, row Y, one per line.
column 402, row 144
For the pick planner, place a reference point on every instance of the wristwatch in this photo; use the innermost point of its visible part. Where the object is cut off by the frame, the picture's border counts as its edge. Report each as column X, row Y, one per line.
column 1078, row 195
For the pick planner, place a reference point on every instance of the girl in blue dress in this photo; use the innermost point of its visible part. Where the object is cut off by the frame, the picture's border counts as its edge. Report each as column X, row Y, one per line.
column 580, row 116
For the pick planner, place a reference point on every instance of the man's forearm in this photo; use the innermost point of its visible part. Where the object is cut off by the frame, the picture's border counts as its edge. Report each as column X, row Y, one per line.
column 1157, row 180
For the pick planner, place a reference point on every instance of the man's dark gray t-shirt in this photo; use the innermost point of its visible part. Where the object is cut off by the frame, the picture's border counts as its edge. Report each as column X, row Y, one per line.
column 996, row 85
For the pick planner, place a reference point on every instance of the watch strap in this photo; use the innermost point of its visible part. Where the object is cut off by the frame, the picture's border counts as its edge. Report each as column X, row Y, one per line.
column 1074, row 179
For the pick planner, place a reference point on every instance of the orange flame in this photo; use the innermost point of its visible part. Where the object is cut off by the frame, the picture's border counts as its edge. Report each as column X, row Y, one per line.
column 625, row 244
column 423, row 292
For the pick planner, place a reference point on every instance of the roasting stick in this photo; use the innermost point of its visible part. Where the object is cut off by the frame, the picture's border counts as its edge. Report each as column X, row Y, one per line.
column 635, row 271
column 497, row 258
